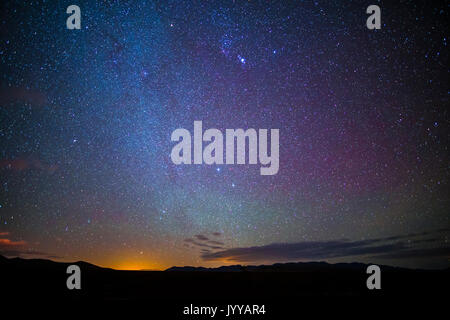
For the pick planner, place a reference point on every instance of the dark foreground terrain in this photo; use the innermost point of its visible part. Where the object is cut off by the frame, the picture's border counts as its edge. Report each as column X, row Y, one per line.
column 279, row 286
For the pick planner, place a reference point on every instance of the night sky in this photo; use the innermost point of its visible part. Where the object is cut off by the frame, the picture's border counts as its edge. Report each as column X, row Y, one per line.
column 86, row 118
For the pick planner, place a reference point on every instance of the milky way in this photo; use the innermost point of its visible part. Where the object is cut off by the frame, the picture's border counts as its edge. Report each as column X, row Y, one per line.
column 87, row 115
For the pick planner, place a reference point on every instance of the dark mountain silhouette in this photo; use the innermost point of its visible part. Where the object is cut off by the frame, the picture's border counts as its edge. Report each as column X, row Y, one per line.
column 43, row 263
column 283, row 267
column 278, row 285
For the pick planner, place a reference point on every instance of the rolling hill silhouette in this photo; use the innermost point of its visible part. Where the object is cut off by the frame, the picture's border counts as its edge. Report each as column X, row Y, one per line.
column 278, row 283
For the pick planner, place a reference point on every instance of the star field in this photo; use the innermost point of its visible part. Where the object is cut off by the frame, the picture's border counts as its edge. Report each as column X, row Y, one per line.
column 86, row 118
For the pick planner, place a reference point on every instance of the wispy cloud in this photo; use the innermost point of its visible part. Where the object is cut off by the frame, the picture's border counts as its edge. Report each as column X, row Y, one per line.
column 201, row 237
column 21, row 164
column 22, row 95
column 385, row 248
column 203, row 242
column 20, row 248
column 28, row 253
column 10, row 243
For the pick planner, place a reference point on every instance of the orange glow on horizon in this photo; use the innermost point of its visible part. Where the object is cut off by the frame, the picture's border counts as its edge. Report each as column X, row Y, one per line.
column 136, row 266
